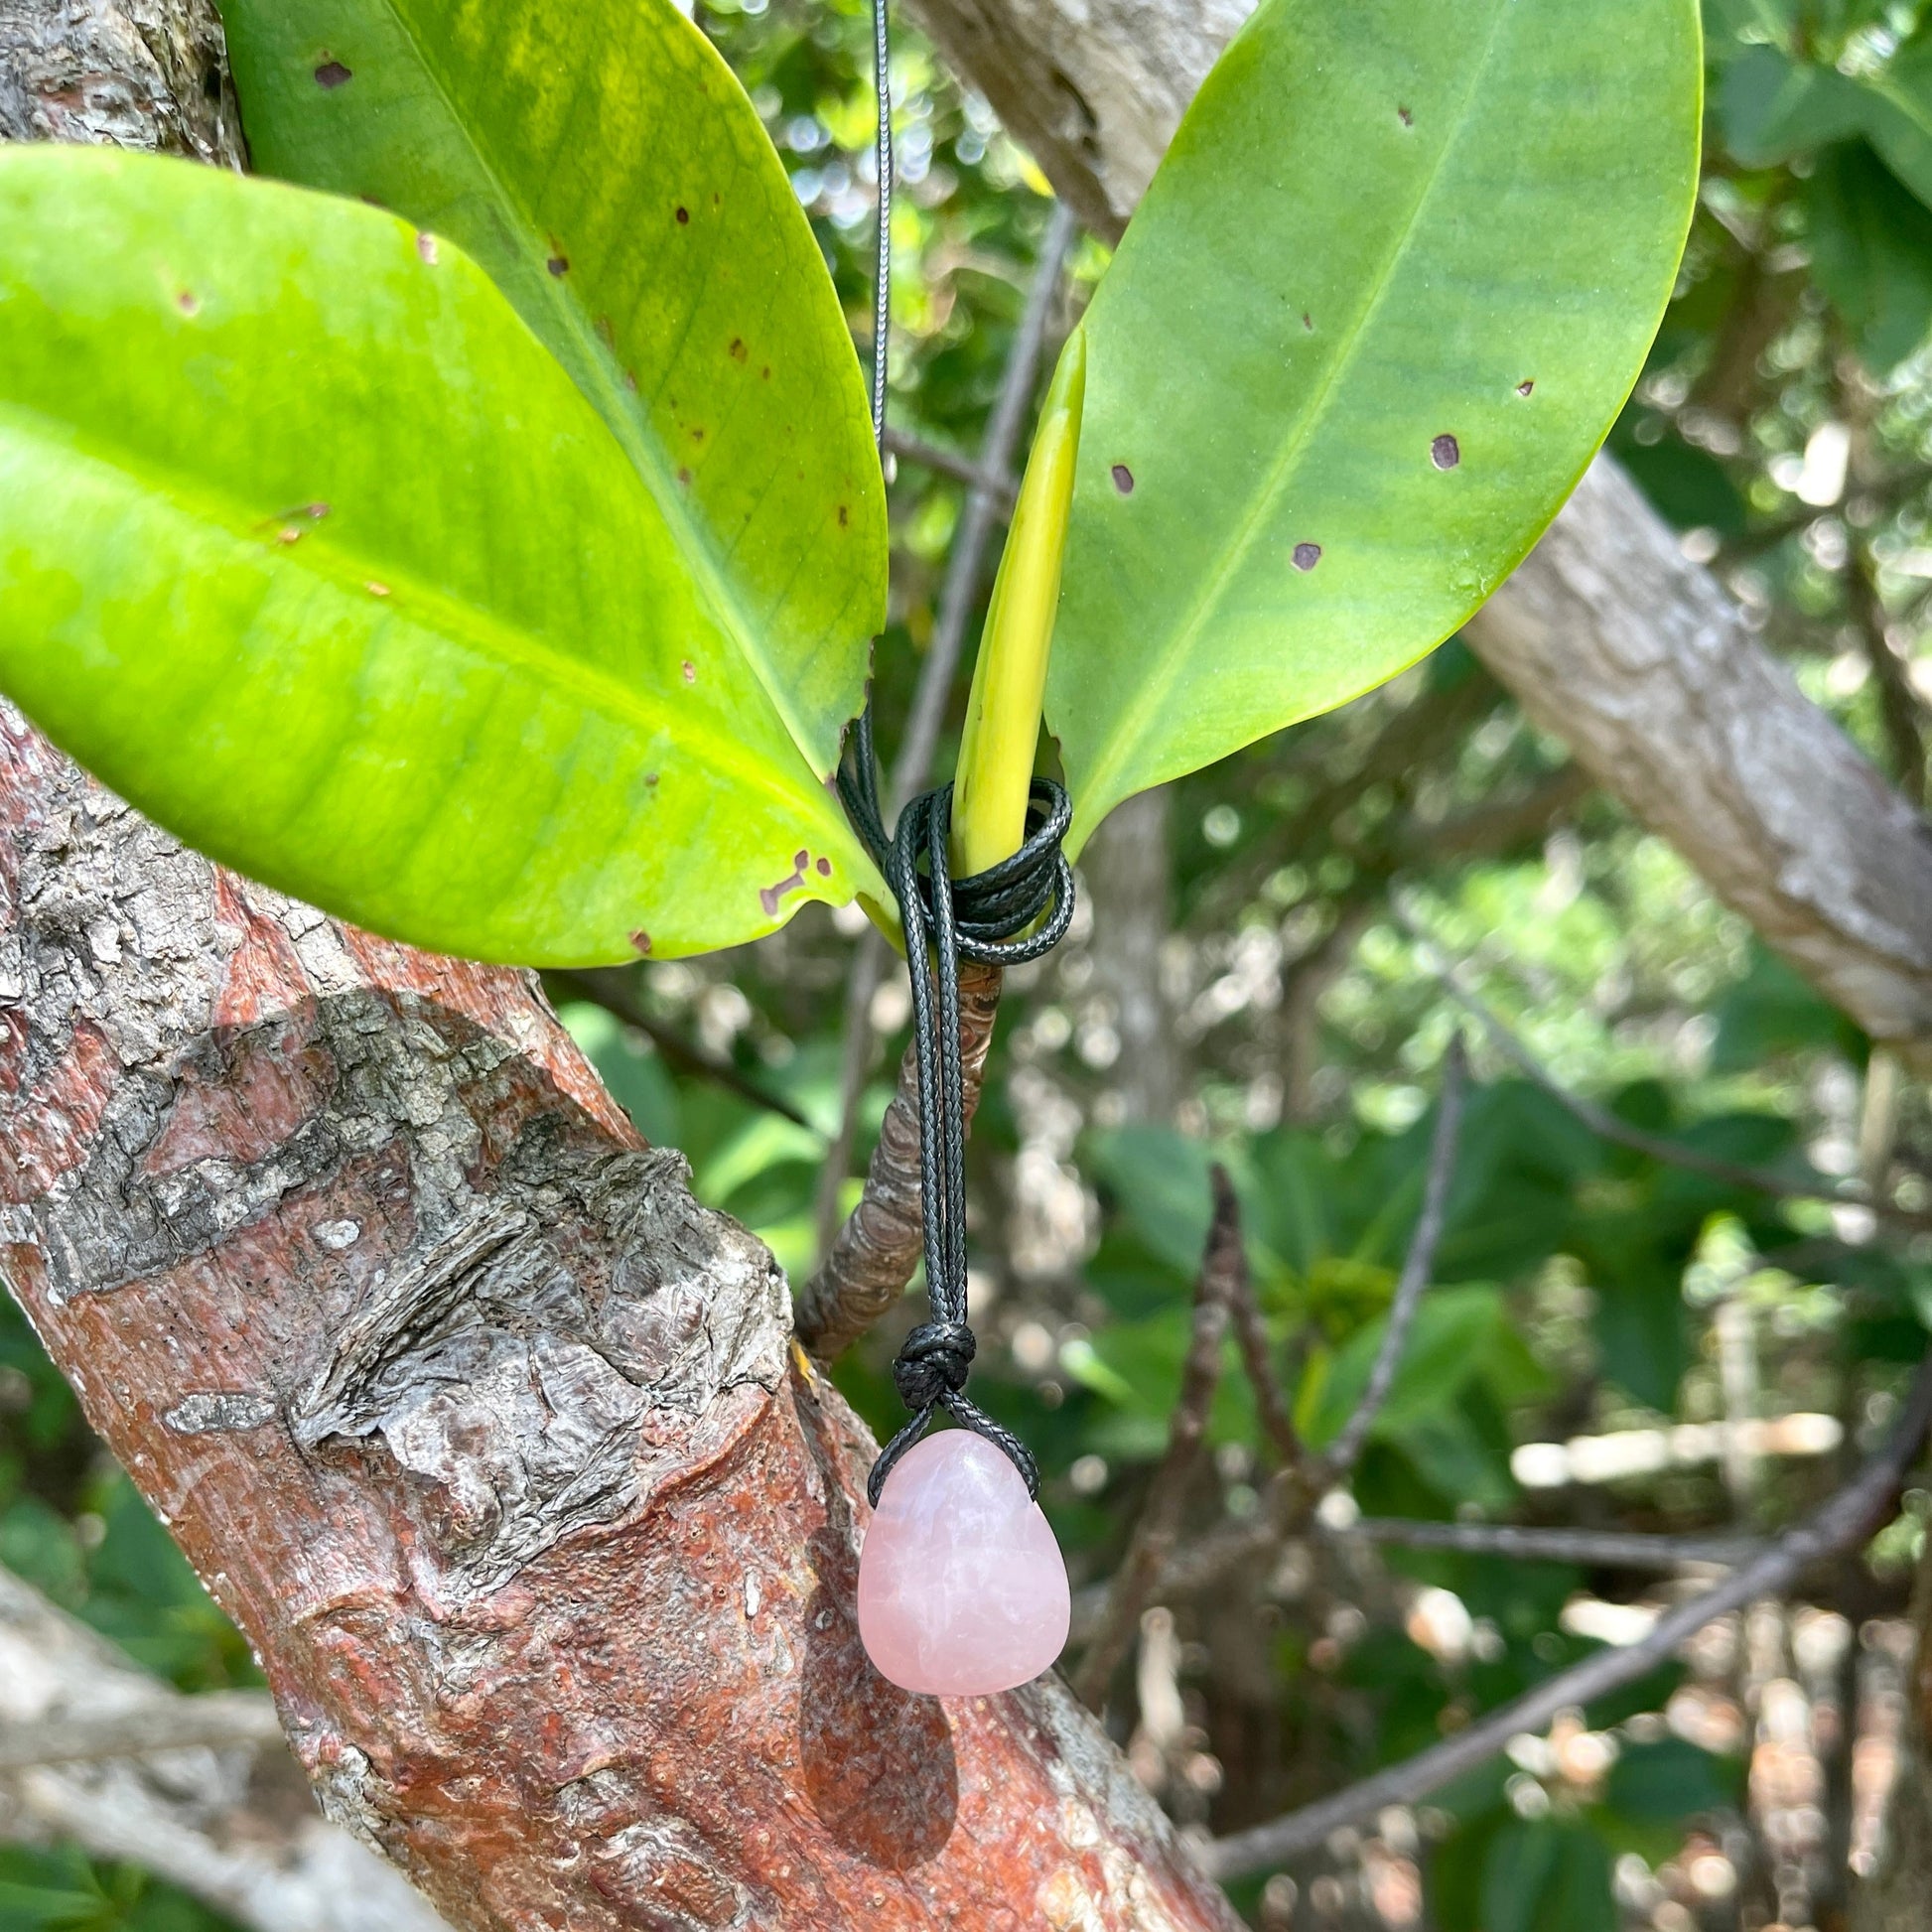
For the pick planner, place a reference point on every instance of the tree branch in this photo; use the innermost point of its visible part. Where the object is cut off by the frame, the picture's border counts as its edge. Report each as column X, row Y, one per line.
column 1224, row 1264
column 149, row 77
column 1338, row 1462
column 215, row 1721
column 1003, row 489
column 212, row 1811
column 1900, row 709
column 1839, row 1524
column 1258, row 1363
column 1593, row 1549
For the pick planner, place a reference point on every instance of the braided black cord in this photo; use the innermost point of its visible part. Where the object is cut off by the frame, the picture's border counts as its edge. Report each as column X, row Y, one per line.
column 980, row 918
column 881, row 291
column 952, row 919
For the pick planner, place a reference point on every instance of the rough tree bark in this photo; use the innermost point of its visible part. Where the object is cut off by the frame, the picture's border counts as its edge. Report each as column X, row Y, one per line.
column 1607, row 635
column 487, row 1435
column 140, row 73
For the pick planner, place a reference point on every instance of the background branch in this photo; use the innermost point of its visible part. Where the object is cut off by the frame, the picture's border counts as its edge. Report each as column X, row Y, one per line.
column 1001, row 488
column 1338, row 1462
column 222, row 1810
column 1839, row 1524
column 1224, row 1263
column 1593, row 1549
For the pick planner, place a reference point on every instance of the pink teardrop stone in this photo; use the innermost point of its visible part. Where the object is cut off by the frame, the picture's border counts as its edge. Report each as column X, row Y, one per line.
column 962, row 1589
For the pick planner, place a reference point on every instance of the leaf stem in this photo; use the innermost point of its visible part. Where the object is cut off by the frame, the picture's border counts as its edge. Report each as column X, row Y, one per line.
column 1003, row 714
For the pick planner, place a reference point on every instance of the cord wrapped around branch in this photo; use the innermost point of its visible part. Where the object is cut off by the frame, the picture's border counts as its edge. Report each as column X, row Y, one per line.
column 1014, row 910
column 971, row 925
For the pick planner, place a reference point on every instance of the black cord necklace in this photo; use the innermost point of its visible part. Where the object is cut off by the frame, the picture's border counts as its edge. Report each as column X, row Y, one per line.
column 982, row 918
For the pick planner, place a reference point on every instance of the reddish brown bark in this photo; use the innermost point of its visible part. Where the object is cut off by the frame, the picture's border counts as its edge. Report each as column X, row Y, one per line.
column 877, row 1248
column 489, row 1438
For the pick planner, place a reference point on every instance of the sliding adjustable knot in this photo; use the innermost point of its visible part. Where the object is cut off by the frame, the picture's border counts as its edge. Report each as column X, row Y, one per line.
column 933, row 1362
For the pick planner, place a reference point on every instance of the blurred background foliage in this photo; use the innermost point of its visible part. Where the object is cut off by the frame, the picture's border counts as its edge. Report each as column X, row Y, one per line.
column 1257, row 978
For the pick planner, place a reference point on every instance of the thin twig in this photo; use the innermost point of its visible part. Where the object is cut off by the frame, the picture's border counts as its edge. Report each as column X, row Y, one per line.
column 1159, row 1524
column 855, row 1068
column 993, row 487
column 609, row 987
column 1258, row 1360
column 215, row 1719
column 1901, row 710
column 1202, row 1566
column 1196, row 1569
column 1339, row 1459
column 1596, row 1548
column 948, row 462
column 1844, row 1521
column 1612, row 1127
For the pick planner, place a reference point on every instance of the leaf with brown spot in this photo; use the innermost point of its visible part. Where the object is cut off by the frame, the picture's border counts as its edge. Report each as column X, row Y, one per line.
column 455, row 122
column 418, row 664
column 1451, row 188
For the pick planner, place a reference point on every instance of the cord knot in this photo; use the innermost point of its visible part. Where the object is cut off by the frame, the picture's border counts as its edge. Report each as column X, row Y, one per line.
column 933, row 1362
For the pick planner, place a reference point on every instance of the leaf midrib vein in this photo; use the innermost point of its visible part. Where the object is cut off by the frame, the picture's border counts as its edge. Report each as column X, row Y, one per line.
column 437, row 611
column 651, row 462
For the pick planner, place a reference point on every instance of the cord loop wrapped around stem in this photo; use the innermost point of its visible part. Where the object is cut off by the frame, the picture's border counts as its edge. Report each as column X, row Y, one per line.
column 1012, row 911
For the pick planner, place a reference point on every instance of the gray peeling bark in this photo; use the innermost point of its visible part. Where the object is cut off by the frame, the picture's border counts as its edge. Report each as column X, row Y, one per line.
column 1607, row 635
column 151, row 74
column 223, row 1818
column 488, row 1437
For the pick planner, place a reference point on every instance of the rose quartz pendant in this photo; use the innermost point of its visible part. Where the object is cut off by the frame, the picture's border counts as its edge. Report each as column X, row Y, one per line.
column 962, row 1589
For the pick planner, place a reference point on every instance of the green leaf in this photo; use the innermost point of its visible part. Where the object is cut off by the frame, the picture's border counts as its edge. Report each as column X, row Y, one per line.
column 1669, row 1781
column 1898, row 120
column 1548, row 1873
column 1871, row 253
column 1449, row 1346
column 604, row 166
column 1160, row 1178
column 1381, row 226
column 1775, row 1010
column 309, row 549
column 1771, row 107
